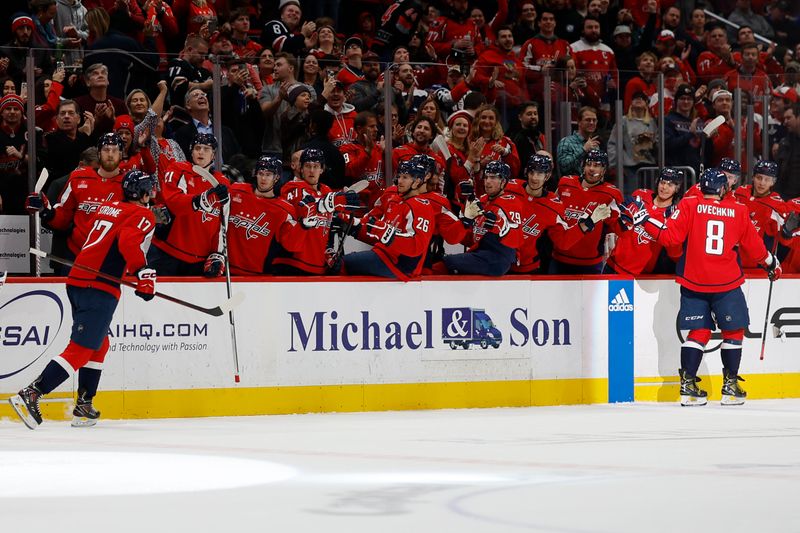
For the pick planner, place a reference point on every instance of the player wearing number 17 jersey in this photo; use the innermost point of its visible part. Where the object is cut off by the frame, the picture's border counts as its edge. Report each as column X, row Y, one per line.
column 116, row 243
column 711, row 231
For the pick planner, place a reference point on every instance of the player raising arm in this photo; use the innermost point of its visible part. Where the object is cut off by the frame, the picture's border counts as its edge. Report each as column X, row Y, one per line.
column 118, row 242
column 710, row 275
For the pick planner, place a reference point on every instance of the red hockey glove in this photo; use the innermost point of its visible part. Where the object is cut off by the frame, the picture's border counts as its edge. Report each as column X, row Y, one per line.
column 381, row 230
column 773, row 267
column 307, row 212
column 214, row 266
column 334, row 201
column 146, row 287
column 38, row 203
column 209, row 200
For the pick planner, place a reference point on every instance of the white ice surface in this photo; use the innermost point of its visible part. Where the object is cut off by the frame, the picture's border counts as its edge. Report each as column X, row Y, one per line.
column 605, row 468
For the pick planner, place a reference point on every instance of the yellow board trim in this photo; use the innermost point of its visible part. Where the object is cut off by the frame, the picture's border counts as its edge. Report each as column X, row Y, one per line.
column 758, row 387
column 334, row 398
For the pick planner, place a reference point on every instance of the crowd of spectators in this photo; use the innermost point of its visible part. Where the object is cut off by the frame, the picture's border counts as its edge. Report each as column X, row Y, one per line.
column 461, row 81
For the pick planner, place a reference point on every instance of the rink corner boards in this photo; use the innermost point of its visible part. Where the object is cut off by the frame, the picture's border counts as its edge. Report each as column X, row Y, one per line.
column 349, row 345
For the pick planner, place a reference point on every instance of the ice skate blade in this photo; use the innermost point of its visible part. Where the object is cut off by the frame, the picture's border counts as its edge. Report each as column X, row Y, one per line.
column 693, row 401
column 731, row 400
column 22, row 411
column 83, row 422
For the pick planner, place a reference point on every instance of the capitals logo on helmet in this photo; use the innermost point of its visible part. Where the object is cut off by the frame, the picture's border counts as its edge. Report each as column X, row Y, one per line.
column 136, row 184
column 415, row 170
column 110, row 139
column 425, row 161
column 672, row 175
column 312, row 155
column 205, row 139
column 269, row 163
column 767, row 168
column 497, row 168
column 713, row 181
column 597, row 156
column 539, row 163
column 730, row 165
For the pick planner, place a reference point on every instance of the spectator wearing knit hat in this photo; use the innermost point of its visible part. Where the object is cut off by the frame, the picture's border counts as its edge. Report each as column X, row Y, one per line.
column 16, row 50
column 13, row 157
column 294, row 120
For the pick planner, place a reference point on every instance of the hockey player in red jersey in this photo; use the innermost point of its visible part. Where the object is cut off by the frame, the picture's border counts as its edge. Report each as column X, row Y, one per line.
column 731, row 168
column 401, row 236
column 767, row 209
column 581, row 195
column 85, row 190
column 636, row 251
column 260, row 220
column 315, row 206
column 712, row 231
column 117, row 243
column 192, row 245
column 542, row 212
column 495, row 236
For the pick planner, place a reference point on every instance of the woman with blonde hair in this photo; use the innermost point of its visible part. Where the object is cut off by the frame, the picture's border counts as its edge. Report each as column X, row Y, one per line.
column 488, row 142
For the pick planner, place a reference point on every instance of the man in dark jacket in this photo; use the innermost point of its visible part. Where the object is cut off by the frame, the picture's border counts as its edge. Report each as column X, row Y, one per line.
column 319, row 124
column 788, row 156
column 682, row 133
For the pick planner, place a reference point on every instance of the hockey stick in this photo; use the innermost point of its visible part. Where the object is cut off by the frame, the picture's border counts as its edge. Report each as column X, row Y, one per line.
column 220, row 310
column 766, row 320
column 223, row 248
column 357, row 186
column 709, row 130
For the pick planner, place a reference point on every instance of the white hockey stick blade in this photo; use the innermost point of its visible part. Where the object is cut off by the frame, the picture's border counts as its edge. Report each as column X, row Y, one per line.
column 41, row 181
column 440, row 144
column 232, row 302
column 3, row 276
column 712, row 126
column 40, row 253
column 206, row 174
column 358, row 186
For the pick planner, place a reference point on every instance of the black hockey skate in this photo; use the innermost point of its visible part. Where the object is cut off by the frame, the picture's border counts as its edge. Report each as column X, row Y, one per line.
column 691, row 394
column 26, row 404
column 84, row 414
column 732, row 393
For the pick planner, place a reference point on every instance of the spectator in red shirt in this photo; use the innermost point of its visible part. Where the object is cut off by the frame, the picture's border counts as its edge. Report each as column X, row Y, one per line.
column 717, row 59
column 498, row 72
column 243, row 46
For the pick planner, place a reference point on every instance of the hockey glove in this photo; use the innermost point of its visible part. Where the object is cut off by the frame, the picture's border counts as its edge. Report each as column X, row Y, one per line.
column 38, row 203
column 146, row 286
column 307, row 212
column 472, row 209
column 466, row 188
column 381, row 230
column 600, row 213
column 773, row 267
column 790, row 225
column 214, row 266
column 161, row 214
column 209, row 200
column 489, row 220
column 337, row 201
